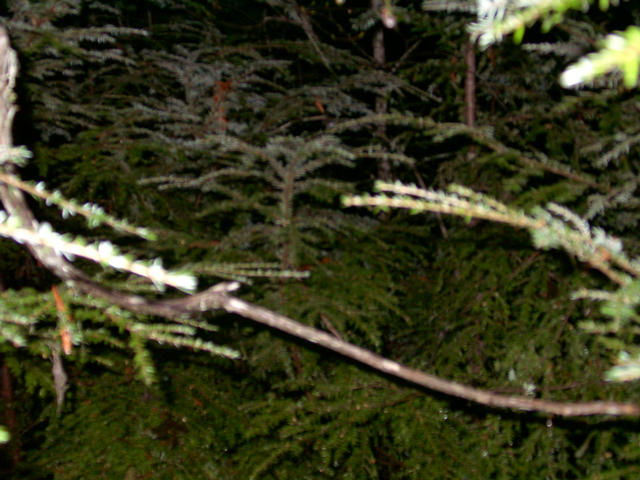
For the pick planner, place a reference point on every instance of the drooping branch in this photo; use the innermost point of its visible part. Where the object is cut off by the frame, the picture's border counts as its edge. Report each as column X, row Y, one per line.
column 218, row 296
column 432, row 382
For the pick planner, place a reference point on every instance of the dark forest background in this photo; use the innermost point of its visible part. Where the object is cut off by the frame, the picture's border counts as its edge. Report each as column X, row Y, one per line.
column 233, row 129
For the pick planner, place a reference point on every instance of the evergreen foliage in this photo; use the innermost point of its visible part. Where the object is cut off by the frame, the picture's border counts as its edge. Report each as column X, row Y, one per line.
column 229, row 130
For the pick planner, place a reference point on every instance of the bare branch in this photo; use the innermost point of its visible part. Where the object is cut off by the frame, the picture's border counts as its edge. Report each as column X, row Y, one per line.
column 397, row 370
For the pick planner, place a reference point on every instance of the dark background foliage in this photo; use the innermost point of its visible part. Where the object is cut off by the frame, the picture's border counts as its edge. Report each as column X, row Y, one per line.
column 214, row 122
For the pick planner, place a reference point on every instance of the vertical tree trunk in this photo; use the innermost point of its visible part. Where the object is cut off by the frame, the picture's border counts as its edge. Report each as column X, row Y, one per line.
column 8, row 72
column 381, row 106
column 10, row 417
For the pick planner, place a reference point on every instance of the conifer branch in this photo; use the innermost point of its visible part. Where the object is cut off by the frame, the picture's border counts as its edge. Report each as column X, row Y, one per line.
column 619, row 51
column 95, row 214
column 481, row 135
column 497, row 19
column 553, row 227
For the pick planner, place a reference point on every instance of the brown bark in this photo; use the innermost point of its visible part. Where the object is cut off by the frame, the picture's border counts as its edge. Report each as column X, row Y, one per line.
column 470, row 85
column 381, row 105
column 470, row 91
column 10, row 417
